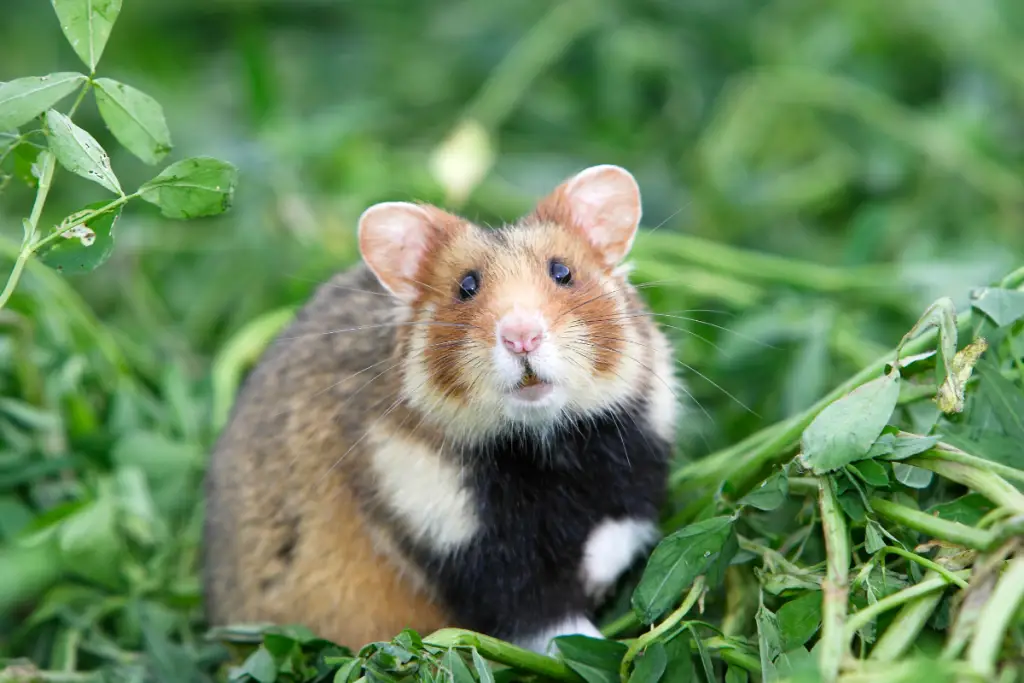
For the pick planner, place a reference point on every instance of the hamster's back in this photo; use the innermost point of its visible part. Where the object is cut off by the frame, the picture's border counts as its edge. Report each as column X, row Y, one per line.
column 285, row 539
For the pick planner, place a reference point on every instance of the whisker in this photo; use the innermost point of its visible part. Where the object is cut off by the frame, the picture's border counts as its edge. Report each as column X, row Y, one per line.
column 426, row 323
column 328, row 283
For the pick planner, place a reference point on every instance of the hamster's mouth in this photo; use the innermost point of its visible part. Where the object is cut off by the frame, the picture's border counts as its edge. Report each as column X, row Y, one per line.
column 531, row 387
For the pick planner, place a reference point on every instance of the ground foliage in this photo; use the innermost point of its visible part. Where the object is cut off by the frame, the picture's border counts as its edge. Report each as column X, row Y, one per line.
column 819, row 180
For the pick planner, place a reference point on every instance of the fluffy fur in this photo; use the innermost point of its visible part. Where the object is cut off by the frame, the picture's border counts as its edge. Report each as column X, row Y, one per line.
column 380, row 469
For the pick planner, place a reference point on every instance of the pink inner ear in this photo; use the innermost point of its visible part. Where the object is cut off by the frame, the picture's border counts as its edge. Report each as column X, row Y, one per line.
column 394, row 238
column 604, row 202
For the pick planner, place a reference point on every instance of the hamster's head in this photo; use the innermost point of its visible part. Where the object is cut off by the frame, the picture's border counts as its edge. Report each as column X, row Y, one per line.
column 525, row 325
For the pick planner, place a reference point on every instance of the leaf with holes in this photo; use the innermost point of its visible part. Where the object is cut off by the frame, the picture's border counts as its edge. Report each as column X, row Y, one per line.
column 193, row 188
column 845, row 430
column 135, row 119
column 87, row 25
column 78, row 152
column 23, row 99
column 85, row 247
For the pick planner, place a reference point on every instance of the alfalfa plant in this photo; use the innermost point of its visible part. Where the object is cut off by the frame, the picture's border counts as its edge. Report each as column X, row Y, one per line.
column 37, row 138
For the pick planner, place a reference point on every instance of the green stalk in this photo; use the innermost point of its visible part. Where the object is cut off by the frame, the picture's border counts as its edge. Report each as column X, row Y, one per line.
column 503, row 653
column 995, row 617
column 985, row 482
column 928, row 564
column 47, row 165
column 864, row 617
column 661, row 629
column 955, row 455
column 907, row 624
column 943, row 529
column 832, row 646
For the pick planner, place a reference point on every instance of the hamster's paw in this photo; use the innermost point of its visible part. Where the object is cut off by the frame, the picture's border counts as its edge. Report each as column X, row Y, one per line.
column 543, row 641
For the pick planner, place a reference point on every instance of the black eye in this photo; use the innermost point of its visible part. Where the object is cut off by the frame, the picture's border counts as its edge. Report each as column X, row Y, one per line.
column 469, row 286
column 560, row 273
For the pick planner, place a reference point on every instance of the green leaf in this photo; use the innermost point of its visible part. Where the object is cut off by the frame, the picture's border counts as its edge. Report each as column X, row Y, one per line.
column 908, row 446
column 702, row 548
column 85, row 247
column 1003, row 306
column 769, row 642
column 1005, row 398
column 986, row 443
column 87, row 25
column 260, row 666
column 679, row 667
column 90, row 542
column 649, row 666
column 483, row 669
column 135, row 119
column 914, row 477
column 967, row 509
column 594, row 659
column 798, row 620
column 873, row 541
column 873, row 473
column 349, row 671
column 193, row 188
column 456, row 667
column 78, row 152
column 770, row 494
column 702, row 650
column 845, row 430
column 735, row 674
column 23, row 99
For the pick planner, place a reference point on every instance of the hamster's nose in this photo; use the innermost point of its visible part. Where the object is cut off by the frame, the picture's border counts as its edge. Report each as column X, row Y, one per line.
column 521, row 332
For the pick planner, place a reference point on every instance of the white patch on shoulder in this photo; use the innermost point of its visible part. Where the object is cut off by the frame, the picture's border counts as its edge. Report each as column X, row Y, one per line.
column 664, row 396
column 612, row 547
column 424, row 489
column 577, row 625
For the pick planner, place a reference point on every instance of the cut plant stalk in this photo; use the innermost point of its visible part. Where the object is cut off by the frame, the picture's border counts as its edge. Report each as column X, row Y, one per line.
column 835, row 588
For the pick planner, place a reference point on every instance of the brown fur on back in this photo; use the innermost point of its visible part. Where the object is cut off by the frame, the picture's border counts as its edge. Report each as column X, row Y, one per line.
column 286, row 539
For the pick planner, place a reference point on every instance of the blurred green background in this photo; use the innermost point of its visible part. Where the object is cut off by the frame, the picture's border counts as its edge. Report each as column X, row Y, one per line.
column 814, row 175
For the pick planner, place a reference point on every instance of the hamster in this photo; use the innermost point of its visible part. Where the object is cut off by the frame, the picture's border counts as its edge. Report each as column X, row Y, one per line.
column 471, row 428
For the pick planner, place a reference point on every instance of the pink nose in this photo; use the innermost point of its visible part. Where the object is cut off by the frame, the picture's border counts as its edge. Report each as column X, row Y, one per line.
column 521, row 333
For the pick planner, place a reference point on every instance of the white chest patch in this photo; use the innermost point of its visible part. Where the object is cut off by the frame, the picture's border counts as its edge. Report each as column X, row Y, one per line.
column 424, row 489
column 612, row 547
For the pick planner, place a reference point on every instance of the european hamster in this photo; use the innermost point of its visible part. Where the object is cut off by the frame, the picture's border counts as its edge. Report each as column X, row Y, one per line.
column 471, row 428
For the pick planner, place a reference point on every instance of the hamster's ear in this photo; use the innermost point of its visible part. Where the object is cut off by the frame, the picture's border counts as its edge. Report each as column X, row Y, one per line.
column 602, row 202
column 394, row 239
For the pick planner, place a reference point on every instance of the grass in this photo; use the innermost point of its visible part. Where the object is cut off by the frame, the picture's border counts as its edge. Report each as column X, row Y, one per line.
column 815, row 177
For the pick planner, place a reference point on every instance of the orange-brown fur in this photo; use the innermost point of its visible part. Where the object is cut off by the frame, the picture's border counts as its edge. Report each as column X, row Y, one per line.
column 296, row 532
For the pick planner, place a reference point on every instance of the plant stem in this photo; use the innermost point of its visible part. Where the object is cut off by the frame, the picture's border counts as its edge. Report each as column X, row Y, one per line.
column 954, row 532
column 47, row 165
column 81, row 96
column 503, row 653
column 862, row 618
column 835, row 587
column 995, row 617
column 668, row 624
column 925, row 562
column 906, row 625
column 949, row 453
column 984, row 481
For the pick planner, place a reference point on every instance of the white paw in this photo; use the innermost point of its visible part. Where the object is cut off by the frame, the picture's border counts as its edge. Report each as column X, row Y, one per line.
column 611, row 548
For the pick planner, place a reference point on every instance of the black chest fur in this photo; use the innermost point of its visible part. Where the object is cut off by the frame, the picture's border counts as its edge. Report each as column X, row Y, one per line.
column 538, row 502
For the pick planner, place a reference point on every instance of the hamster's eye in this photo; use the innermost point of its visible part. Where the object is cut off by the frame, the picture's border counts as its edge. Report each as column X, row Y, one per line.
column 560, row 273
column 469, row 285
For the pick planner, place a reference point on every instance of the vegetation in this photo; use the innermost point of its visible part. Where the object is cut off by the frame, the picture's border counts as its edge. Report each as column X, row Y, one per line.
column 832, row 197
